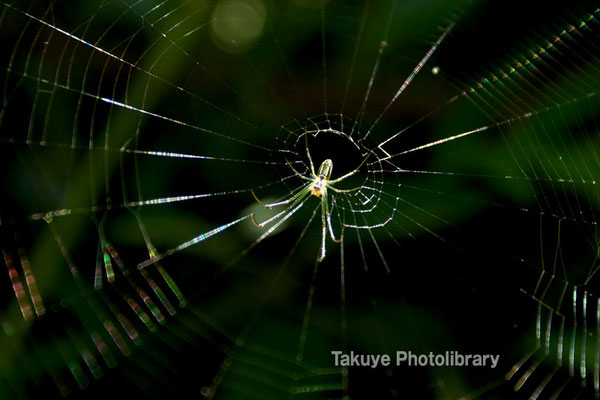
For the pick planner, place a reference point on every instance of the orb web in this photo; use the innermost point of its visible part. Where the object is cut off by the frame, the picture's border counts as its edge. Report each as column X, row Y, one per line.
column 134, row 142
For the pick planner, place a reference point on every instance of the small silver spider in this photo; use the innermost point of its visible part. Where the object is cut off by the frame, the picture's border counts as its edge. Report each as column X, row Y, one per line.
column 318, row 185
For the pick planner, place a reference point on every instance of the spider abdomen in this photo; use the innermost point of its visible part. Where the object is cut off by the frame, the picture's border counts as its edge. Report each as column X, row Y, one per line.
column 319, row 187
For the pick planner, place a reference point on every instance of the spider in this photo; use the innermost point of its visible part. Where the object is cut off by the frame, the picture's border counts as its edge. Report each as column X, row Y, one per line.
column 318, row 184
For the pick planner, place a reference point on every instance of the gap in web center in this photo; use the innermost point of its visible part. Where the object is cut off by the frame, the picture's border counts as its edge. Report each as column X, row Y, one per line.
column 333, row 144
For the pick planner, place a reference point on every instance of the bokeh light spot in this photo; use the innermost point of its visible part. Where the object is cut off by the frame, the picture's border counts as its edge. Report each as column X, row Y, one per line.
column 237, row 24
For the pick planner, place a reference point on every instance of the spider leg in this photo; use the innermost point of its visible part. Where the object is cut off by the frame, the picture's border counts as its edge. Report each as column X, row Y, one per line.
column 257, row 199
column 312, row 166
column 344, row 190
column 349, row 174
column 295, row 199
column 296, row 172
column 271, row 205
column 325, row 226
column 323, row 229
column 328, row 214
column 292, row 210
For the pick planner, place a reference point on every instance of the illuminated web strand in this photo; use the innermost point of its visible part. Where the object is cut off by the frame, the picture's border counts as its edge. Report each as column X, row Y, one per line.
column 406, row 216
column 123, row 149
column 571, row 158
column 156, row 7
column 87, row 356
column 528, row 373
column 512, row 98
column 32, row 286
column 110, row 273
column 551, row 315
column 538, row 321
column 517, row 366
column 109, row 253
column 365, row 265
column 307, row 312
column 39, row 91
column 583, row 350
column 152, row 252
column 370, row 228
column 136, row 67
column 343, row 309
column 354, row 56
column 127, row 326
column 140, row 313
column 538, row 53
column 294, row 200
column 323, row 55
column 116, row 336
column 317, row 388
column 542, row 163
column 538, row 157
column 484, row 128
column 108, row 249
column 561, row 340
column 173, row 43
column 418, row 121
column 448, row 139
column 174, row 199
column 412, row 75
column 382, row 46
column 416, row 207
column 597, row 355
column 511, row 151
column 542, row 302
column 591, row 274
column 190, row 15
column 572, row 352
column 151, row 305
column 378, row 248
column 73, row 366
column 160, row 294
column 178, row 122
column 99, row 264
column 49, row 215
column 165, row 15
column 133, row 108
column 487, row 176
column 548, row 333
column 192, row 242
column 241, row 338
column 558, row 391
column 270, row 230
column 161, row 200
column 364, row 203
column 387, row 217
column 544, row 383
column 573, row 335
column 517, row 208
column 18, row 287
column 95, row 309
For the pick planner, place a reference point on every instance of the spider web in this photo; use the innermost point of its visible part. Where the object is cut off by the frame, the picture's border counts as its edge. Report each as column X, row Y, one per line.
column 136, row 135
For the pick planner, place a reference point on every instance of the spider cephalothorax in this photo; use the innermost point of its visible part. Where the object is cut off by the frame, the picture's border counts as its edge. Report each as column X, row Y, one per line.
column 317, row 186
